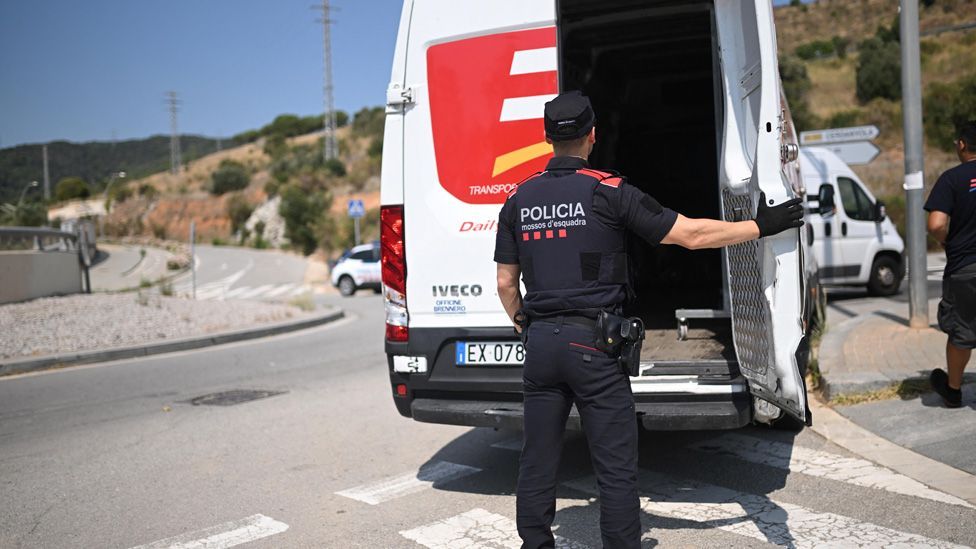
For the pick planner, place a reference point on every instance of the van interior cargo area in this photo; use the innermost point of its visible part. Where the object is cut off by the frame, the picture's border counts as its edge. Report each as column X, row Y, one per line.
column 650, row 71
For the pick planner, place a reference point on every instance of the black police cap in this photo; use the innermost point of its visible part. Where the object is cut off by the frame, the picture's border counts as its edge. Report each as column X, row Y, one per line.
column 569, row 116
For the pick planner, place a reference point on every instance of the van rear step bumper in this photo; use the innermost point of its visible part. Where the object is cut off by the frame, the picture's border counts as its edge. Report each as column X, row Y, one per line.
column 654, row 416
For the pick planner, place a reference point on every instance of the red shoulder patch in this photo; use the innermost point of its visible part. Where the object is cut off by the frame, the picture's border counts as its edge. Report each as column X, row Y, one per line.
column 594, row 173
column 612, row 182
column 520, row 183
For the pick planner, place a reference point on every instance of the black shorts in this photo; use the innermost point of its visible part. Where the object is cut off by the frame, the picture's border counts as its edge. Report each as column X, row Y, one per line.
column 957, row 310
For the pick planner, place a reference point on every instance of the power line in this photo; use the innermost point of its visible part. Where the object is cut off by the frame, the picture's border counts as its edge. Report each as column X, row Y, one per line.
column 175, row 161
column 329, row 149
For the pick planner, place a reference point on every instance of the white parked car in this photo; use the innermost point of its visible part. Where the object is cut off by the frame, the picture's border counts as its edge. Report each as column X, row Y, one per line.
column 854, row 241
column 358, row 268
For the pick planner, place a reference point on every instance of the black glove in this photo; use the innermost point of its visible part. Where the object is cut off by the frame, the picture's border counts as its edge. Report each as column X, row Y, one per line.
column 776, row 219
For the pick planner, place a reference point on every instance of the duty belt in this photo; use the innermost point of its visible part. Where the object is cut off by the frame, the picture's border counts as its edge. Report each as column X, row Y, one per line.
column 576, row 320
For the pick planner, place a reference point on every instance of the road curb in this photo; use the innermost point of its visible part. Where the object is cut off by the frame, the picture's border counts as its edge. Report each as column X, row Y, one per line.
column 831, row 355
column 843, row 432
column 46, row 362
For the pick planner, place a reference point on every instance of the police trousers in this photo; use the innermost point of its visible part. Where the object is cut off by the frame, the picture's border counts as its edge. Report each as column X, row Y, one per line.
column 562, row 367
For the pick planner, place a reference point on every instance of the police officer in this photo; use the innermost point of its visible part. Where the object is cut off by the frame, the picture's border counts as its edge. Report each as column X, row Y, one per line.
column 563, row 231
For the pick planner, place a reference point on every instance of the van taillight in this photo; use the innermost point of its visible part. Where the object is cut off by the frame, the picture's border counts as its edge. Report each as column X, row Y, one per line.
column 394, row 261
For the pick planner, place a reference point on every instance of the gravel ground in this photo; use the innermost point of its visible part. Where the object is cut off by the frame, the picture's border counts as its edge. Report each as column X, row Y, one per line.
column 101, row 321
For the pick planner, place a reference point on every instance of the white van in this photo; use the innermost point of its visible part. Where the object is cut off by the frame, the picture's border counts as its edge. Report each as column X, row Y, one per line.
column 854, row 241
column 689, row 106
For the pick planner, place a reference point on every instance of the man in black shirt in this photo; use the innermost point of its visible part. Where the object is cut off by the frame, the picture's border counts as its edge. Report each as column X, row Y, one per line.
column 952, row 221
column 563, row 232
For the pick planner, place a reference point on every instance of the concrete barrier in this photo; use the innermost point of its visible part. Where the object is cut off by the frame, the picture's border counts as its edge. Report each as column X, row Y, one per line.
column 31, row 274
column 39, row 262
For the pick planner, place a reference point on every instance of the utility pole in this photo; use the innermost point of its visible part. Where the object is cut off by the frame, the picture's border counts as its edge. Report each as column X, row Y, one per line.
column 47, row 175
column 175, row 162
column 911, row 91
column 329, row 149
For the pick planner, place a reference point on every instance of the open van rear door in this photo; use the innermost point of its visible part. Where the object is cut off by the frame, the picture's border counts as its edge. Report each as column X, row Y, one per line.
column 765, row 276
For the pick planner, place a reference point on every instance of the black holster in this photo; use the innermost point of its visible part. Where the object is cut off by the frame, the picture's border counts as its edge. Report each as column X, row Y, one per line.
column 621, row 338
column 522, row 320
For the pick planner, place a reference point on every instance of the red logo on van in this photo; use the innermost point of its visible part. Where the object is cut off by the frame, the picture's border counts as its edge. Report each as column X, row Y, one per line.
column 486, row 99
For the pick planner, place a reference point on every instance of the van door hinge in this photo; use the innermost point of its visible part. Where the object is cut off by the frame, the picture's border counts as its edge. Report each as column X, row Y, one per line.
column 398, row 95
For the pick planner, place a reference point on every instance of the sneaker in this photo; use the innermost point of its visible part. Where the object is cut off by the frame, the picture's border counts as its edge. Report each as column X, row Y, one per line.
column 940, row 384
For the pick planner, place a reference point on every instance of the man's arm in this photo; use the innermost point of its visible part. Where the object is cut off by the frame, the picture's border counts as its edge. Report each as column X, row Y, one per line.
column 696, row 234
column 509, row 291
column 939, row 226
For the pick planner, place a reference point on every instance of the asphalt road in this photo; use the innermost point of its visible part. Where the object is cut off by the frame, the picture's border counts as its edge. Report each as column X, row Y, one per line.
column 115, row 455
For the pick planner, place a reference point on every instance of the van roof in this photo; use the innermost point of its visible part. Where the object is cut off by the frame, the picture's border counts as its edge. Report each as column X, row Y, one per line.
column 818, row 162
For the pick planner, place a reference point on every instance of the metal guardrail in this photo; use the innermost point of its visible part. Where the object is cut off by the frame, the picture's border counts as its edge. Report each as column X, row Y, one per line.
column 39, row 239
column 42, row 239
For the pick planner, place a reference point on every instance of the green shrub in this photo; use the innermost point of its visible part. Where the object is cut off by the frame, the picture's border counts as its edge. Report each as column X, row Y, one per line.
column 946, row 106
column 303, row 212
column 815, row 50
column 71, row 188
column 840, row 46
column 148, row 191
column 335, row 167
column 375, row 148
column 229, row 176
column 369, row 121
column 796, row 85
column 275, row 146
column 879, row 70
column 238, row 210
column 842, row 119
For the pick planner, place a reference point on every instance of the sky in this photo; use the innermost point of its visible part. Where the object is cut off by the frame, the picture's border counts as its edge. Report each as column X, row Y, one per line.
column 97, row 70
column 91, row 70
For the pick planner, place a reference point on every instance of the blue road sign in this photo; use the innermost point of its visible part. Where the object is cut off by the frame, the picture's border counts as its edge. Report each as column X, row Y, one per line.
column 356, row 208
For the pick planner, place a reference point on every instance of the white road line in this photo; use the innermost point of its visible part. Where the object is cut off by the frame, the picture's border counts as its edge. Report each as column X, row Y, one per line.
column 524, row 108
column 280, row 290
column 408, row 483
column 514, row 444
column 759, row 517
column 532, row 61
column 822, row 464
column 256, row 291
column 228, row 534
column 476, row 528
column 211, row 293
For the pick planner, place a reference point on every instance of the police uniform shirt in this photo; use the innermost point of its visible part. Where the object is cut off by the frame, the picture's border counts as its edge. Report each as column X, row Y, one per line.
column 619, row 208
column 955, row 194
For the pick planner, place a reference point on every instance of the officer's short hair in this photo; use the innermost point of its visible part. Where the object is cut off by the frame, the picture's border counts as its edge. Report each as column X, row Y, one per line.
column 562, row 148
column 966, row 132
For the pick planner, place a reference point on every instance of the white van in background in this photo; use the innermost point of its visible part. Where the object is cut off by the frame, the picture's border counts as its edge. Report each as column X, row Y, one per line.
column 689, row 106
column 854, row 241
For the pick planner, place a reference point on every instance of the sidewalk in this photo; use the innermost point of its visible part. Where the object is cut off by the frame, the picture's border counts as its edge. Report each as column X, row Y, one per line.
column 875, row 371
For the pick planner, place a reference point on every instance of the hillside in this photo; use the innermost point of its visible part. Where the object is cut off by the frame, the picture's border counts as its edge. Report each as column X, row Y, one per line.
column 162, row 205
column 93, row 161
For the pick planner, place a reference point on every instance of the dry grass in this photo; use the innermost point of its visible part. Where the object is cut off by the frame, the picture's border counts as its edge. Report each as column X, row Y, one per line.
column 906, row 390
column 857, row 19
column 833, row 86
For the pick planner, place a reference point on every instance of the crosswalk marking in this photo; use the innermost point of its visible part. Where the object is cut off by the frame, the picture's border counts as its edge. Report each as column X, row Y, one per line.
column 759, row 517
column 476, row 528
column 798, row 459
column 228, row 534
column 280, row 290
column 256, row 291
column 408, row 483
column 220, row 291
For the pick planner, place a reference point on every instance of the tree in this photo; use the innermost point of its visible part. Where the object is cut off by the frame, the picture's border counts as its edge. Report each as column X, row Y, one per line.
column 303, row 213
column 229, row 176
column 71, row 188
column 28, row 214
column 238, row 210
column 796, row 85
column 946, row 107
column 879, row 70
column 335, row 167
column 369, row 121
